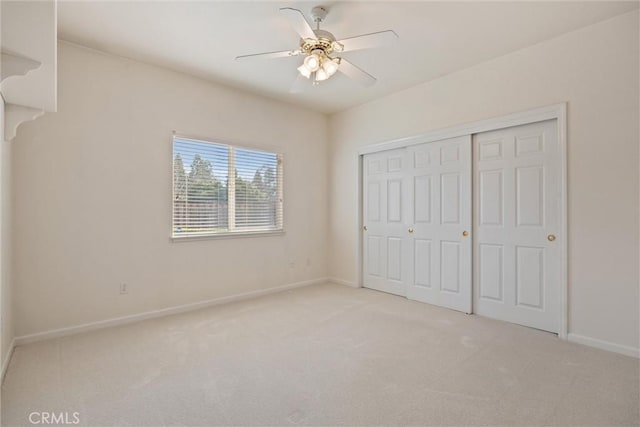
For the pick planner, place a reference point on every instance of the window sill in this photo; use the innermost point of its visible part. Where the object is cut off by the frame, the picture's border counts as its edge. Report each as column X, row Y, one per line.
column 232, row 235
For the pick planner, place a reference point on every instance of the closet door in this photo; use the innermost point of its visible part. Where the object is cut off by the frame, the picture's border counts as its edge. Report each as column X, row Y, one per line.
column 517, row 198
column 385, row 203
column 440, row 223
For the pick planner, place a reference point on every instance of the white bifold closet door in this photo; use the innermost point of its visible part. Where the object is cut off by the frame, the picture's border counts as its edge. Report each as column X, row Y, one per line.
column 417, row 219
column 517, row 196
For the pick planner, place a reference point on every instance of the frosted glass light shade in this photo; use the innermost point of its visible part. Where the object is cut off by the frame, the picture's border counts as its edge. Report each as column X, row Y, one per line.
column 304, row 71
column 312, row 62
column 321, row 75
column 330, row 66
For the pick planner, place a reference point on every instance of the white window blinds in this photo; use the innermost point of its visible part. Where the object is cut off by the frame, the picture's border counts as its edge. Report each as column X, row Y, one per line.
column 221, row 189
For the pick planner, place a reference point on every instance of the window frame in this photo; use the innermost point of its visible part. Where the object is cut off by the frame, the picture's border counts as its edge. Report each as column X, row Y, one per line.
column 242, row 232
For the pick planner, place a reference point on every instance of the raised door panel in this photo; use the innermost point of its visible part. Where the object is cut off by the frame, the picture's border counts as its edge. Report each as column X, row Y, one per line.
column 374, row 255
column 373, row 201
column 394, row 200
column 394, row 258
column 530, row 196
column 450, row 266
column 394, row 163
column 422, row 199
column 530, row 277
column 450, row 198
column 529, row 144
column 490, row 149
column 490, row 272
column 422, row 261
column 491, row 196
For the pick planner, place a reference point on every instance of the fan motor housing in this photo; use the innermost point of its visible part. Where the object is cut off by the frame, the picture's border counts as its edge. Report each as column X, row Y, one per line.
column 323, row 42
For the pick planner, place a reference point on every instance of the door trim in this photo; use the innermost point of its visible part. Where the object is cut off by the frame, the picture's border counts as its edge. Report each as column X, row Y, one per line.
column 556, row 112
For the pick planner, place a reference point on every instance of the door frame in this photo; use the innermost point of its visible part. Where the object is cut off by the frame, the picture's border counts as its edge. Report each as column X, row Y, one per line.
column 556, row 112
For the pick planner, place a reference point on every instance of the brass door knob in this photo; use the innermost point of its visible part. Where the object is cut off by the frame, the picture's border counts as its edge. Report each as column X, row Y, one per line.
column 465, row 233
column 551, row 237
column 364, row 228
column 410, row 230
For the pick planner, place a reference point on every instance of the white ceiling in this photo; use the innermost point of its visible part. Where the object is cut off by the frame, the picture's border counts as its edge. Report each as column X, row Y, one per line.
column 436, row 38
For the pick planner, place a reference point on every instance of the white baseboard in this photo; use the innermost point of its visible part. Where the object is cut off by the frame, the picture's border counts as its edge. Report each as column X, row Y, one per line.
column 71, row 330
column 7, row 360
column 604, row 345
column 343, row 282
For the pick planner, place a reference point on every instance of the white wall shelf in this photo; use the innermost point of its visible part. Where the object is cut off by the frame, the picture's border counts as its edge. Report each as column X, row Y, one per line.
column 28, row 71
column 16, row 65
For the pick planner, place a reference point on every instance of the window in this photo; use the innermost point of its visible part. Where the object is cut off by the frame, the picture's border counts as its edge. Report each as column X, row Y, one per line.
column 223, row 189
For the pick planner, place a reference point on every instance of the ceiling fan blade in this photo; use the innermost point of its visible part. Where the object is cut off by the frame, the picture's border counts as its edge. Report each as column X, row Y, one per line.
column 298, row 22
column 270, row 55
column 356, row 73
column 367, row 41
column 299, row 84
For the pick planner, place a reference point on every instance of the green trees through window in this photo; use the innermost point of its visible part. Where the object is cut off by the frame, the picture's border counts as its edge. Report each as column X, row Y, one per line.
column 206, row 201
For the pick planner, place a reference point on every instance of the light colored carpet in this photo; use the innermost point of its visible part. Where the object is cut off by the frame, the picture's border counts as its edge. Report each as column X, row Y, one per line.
column 327, row 355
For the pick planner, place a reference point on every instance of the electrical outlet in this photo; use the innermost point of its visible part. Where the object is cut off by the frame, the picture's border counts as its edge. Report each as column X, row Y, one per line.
column 308, row 262
column 292, row 263
column 124, row 288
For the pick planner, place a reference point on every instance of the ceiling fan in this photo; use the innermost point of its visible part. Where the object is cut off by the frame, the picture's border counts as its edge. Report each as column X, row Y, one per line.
column 320, row 49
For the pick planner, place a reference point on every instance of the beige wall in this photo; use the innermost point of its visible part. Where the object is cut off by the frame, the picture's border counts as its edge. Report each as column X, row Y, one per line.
column 595, row 70
column 93, row 195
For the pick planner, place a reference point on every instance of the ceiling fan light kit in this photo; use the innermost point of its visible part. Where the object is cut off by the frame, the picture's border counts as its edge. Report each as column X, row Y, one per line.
column 318, row 45
column 319, row 65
